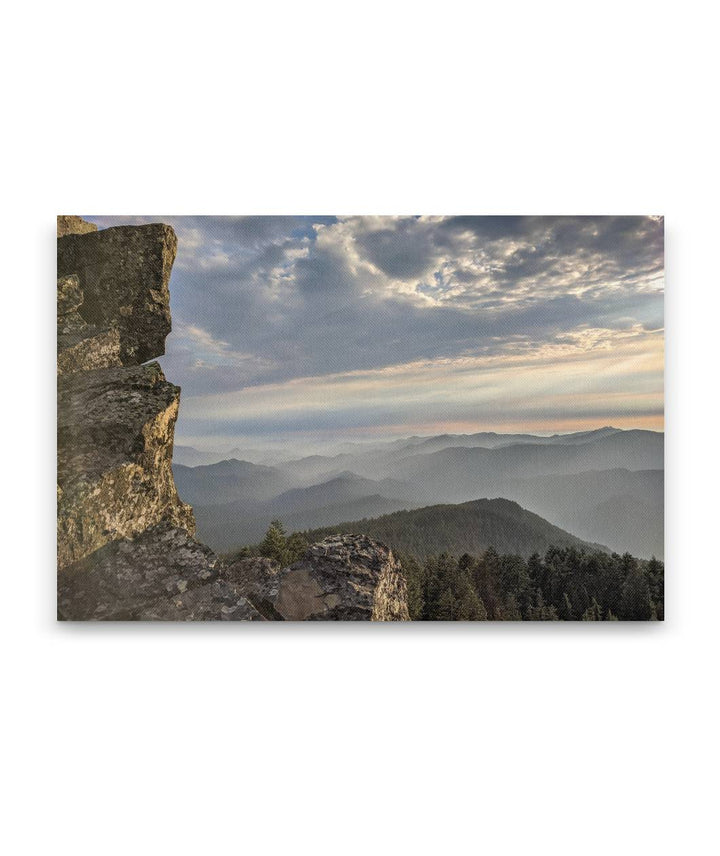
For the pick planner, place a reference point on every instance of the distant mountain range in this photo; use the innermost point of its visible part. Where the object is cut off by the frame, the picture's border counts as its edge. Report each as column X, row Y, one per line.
column 230, row 481
column 229, row 524
column 604, row 486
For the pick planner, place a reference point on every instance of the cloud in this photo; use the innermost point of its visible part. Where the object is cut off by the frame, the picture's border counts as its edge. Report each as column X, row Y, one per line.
column 603, row 374
column 263, row 302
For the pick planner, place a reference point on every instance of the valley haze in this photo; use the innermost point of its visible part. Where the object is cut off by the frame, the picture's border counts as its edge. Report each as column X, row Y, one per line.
column 605, row 486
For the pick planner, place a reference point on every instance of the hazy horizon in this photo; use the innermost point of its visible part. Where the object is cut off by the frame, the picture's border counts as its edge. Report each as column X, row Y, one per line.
column 316, row 331
column 283, row 447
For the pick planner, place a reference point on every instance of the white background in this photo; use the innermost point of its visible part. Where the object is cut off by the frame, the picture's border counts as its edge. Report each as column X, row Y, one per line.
column 344, row 739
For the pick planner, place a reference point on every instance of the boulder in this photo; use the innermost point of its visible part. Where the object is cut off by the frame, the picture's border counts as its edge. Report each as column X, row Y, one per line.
column 162, row 574
column 115, row 439
column 123, row 274
column 343, row 578
column 68, row 224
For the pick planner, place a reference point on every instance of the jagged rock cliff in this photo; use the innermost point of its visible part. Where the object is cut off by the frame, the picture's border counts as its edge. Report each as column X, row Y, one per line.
column 125, row 545
column 115, row 439
column 115, row 418
column 343, row 578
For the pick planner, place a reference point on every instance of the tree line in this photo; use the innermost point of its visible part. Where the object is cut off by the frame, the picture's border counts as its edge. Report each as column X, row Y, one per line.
column 566, row 584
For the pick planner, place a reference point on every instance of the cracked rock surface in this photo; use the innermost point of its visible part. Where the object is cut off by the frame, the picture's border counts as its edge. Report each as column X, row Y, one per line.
column 162, row 574
column 343, row 578
column 123, row 273
column 115, row 440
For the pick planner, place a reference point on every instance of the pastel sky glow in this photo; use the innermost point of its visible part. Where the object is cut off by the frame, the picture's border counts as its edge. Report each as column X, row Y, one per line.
column 306, row 330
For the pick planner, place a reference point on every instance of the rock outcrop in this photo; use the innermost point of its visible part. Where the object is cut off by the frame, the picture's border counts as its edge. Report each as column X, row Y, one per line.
column 72, row 225
column 163, row 574
column 343, row 578
column 116, row 418
column 123, row 273
column 115, row 439
column 125, row 539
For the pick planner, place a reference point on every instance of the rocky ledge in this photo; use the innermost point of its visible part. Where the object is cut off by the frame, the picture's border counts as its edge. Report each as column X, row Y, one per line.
column 123, row 274
column 343, row 578
column 163, row 574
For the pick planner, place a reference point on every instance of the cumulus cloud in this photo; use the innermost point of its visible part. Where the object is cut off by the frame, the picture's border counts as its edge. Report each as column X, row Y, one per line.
column 261, row 302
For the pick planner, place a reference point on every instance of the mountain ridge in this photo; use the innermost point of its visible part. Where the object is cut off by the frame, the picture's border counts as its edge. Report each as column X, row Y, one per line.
column 469, row 527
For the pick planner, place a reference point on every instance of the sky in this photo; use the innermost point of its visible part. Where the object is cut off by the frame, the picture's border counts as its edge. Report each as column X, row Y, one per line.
column 303, row 331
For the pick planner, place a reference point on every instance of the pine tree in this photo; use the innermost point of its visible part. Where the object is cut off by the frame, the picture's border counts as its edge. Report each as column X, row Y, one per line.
column 446, row 607
column 469, row 606
column 636, row 605
column 656, row 580
column 274, row 545
column 566, row 610
column 541, row 612
column 593, row 612
column 415, row 578
column 510, row 609
column 296, row 546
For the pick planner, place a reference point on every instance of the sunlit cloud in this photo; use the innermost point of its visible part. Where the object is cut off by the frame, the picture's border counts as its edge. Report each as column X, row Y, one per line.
column 359, row 325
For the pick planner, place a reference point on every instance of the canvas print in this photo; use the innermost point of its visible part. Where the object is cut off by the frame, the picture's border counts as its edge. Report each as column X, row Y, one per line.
column 366, row 418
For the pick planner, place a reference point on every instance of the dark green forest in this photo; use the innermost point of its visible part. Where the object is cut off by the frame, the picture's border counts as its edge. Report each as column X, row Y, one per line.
column 565, row 584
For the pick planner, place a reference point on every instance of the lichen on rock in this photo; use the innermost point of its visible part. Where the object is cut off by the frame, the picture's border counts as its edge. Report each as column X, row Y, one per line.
column 123, row 273
column 343, row 578
column 69, row 224
column 115, row 440
column 162, row 574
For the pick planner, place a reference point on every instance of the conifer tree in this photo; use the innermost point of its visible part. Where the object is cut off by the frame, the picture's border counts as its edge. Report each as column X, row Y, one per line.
column 566, row 610
column 635, row 604
column 510, row 609
column 274, row 544
column 593, row 612
column 296, row 546
column 469, row 605
column 446, row 607
column 656, row 581
column 415, row 579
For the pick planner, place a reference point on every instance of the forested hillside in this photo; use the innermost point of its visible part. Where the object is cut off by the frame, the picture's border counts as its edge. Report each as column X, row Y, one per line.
column 469, row 527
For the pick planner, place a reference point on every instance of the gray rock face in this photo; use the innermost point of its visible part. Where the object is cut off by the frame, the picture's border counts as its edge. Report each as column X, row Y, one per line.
column 69, row 298
column 81, row 346
column 123, row 275
column 343, row 578
column 88, row 348
column 68, row 224
column 162, row 574
column 115, row 437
